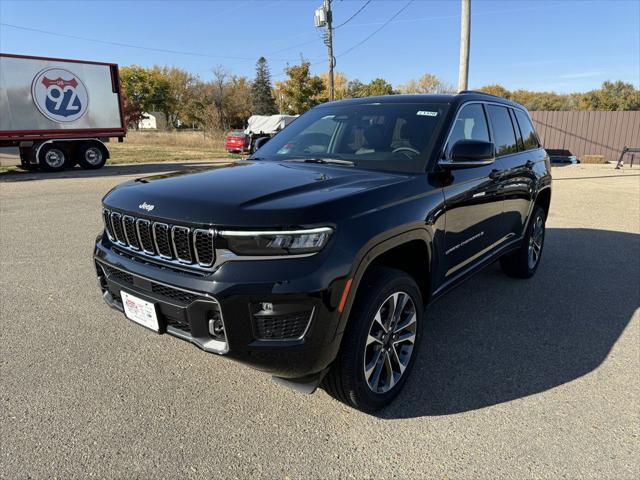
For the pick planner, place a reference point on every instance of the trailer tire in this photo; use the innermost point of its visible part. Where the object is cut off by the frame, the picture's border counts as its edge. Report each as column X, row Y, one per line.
column 91, row 155
column 53, row 157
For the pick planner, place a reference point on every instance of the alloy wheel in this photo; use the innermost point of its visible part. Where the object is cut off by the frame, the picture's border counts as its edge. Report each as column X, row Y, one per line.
column 54, row 158
column 390, row 342
column 535, row 242
column 93, row 155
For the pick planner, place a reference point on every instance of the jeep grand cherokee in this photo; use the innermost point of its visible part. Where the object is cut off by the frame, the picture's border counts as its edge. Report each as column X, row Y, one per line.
column 315, row 259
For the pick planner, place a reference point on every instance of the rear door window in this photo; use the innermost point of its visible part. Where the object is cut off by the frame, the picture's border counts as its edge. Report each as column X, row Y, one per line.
column 529, row 136
column 504, row 136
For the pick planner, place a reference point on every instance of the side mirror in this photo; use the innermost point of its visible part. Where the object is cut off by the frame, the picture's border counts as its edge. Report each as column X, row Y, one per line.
column 470, row 153
column 260, row 142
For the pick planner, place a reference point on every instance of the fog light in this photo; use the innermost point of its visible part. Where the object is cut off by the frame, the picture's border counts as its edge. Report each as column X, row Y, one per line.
column 216, row 328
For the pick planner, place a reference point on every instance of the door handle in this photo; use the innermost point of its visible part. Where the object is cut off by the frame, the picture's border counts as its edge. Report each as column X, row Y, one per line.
column 529, row 164
column 495, row 174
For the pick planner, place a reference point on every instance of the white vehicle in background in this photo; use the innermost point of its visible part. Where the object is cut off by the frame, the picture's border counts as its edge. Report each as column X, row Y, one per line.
column 258, row 126
column 59, row 112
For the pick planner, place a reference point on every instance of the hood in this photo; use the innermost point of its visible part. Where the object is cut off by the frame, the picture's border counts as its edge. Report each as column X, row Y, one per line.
column 259, row 193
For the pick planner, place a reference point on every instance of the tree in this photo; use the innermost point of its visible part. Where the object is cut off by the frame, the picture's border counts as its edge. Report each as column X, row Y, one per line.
column 340, row 86
column 145, row 90
column 301, row 91
column 612, row 96
column 378, row 86
column 497, row 90
column 179, row 93
column 262, row 102
column 427, row 83
column 355, row 89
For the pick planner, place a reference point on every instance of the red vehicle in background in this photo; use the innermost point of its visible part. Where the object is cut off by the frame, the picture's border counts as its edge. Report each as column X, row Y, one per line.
column 236, row 142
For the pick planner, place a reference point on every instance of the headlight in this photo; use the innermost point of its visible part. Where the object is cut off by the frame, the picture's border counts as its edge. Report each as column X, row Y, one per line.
column 290, row 242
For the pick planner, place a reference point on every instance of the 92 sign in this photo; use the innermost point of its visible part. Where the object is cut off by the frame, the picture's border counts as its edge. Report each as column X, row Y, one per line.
column 60, row 95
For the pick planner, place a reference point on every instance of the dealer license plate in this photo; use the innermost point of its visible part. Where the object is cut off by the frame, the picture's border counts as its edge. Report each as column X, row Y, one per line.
column 140, row 311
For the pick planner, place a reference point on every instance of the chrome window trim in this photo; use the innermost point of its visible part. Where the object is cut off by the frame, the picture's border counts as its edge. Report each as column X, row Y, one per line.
column 126, row 235
column 188, row 261
column 150, row 224
column 155, row 239
column 211, row 232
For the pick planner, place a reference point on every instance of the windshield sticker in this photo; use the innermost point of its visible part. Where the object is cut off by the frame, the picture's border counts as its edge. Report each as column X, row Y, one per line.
column 427, row 113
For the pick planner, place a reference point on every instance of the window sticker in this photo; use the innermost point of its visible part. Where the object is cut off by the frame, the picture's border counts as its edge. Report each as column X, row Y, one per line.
column 426, row 113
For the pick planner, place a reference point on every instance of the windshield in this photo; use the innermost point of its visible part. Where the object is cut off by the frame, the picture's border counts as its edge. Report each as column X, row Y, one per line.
column 383, row 136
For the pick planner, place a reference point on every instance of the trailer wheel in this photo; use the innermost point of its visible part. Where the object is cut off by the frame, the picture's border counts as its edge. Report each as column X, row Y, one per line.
column 52, row 158
column 92, row 155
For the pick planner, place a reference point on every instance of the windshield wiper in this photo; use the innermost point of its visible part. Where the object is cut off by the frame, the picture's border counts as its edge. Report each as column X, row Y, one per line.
column 333, row 161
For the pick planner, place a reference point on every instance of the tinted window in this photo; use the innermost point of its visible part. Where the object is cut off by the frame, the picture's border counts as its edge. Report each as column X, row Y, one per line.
column 528, row 133
column 503, row 134
column 516, row 130
column 383, row 136
column 471, row 124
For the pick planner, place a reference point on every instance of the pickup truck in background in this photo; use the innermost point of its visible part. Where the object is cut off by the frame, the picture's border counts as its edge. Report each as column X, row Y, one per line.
column 59, row 112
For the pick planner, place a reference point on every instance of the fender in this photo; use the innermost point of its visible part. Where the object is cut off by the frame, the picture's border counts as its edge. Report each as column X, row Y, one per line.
column 369, row 253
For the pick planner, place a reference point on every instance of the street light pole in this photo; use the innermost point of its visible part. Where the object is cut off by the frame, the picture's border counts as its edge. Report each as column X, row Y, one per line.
column 465, row 34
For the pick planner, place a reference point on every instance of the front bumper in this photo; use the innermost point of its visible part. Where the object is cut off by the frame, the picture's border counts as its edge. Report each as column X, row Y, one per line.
column 186, row 304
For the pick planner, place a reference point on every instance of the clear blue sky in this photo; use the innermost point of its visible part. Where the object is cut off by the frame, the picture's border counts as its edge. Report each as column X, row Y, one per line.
column 539, row 45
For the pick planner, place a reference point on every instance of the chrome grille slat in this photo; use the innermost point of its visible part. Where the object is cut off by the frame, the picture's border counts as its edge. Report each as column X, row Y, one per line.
column 130, row 231
column 118, row 229
column 177, row 244
column 181, row 244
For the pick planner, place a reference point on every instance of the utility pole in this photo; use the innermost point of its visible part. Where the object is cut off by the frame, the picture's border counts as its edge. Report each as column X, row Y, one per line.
column 323, row 18
column 465, row 34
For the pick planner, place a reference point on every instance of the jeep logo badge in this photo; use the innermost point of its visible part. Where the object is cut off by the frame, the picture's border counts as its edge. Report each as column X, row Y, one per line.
column 146, row 206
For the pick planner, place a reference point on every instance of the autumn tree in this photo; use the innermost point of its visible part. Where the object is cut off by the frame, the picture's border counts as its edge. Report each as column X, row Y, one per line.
column 145, row 90
column 340, row 86
column 179, row 93
column 427, row 83
column 262, row 102
column 301, row 91
column 612, row 96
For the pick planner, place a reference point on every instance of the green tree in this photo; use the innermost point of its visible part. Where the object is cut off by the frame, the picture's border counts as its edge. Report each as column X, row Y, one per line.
column 301, row 91
column 612, row 96
column 145, row 90
column 377, row 87
column 355, row 89
column 262, row 102
column 178, row 97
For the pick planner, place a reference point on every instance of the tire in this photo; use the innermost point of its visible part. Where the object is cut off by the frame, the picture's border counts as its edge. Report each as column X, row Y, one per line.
column 91, row 155
column 346, row 380
column 524, row 262
column 53, row 158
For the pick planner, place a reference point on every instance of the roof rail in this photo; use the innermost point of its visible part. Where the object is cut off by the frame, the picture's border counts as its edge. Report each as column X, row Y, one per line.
column 476, row 92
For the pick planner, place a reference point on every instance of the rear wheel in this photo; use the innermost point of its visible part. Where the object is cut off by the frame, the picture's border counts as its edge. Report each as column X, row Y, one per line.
column 52, row 158
column 381, row 341
column 524, row 262
column 91, row 155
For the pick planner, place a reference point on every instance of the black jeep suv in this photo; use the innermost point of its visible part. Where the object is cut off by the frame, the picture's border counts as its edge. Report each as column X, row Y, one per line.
column 315, row 259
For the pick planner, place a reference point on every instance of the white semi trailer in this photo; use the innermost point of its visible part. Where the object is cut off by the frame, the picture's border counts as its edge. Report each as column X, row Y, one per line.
column 59, row 112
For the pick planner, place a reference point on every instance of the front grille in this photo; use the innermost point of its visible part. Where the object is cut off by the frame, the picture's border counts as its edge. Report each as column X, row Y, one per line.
column 177, row 243
column 289, row 326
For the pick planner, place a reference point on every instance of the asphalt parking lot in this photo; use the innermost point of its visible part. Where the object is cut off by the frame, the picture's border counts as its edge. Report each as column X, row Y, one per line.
column 516, row 379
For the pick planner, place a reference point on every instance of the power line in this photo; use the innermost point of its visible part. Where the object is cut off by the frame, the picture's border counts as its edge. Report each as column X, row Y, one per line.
column 127, row 45
column 354, row 15
column 376, row 30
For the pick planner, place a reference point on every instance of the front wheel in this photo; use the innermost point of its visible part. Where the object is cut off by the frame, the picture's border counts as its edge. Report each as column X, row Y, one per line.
column 524, row 262
column 380, row 343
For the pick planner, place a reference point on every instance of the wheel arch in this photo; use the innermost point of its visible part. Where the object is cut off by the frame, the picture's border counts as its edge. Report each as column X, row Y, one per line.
column 395, row 252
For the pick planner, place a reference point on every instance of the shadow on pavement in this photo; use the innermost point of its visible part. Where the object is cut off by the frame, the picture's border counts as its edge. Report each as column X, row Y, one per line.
column 495, row 339
column 111, row 170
